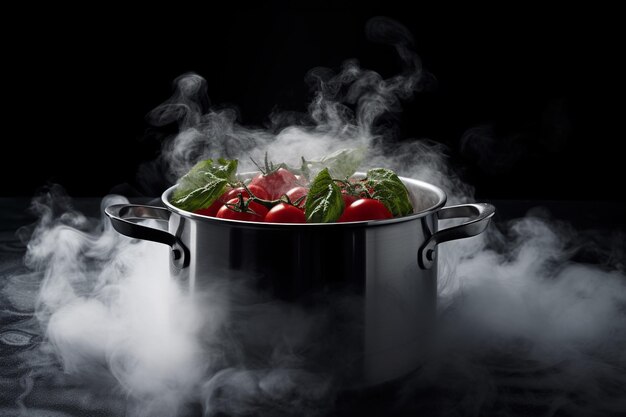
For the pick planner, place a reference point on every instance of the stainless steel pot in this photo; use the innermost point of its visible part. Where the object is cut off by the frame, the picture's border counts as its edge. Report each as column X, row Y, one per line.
column 389, row 266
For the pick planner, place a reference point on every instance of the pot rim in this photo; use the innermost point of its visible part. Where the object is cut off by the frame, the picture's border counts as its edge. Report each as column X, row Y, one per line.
column 438, row 192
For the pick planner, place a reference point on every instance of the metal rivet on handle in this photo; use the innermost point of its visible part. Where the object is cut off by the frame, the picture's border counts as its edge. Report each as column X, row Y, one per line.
column 427, row 254
column 180, row 257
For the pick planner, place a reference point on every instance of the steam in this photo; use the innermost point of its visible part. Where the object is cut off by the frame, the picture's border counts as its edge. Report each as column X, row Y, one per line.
column 344, row 112
column 517, row 313
column 127, row 339
column 106, row 315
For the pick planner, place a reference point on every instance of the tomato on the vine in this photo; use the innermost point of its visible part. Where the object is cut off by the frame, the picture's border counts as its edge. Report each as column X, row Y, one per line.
column 354, row 190
column 258, row 191
column 285, row 213
column 242, row 209
column 348, row 198
column 254, row 189
column 275, row 183
column 228, row 195
column 365, row 209
column 297, row 193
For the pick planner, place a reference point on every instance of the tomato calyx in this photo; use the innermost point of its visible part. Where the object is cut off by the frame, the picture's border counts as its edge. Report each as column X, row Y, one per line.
column 298, row 202
column 264, row 202
column 296, row 196
column 269, row 168
column 242, row 205
column 269, row 204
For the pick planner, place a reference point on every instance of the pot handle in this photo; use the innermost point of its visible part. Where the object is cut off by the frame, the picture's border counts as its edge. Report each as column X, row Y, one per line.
column 122, row 216
column 479, row 215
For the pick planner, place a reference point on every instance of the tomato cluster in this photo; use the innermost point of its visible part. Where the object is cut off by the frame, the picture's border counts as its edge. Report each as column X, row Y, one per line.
column 359, row 204
column 280, row 197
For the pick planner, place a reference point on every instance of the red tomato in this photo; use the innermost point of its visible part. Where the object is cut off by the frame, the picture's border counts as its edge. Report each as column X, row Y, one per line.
column 258, row 192
column 254, row 189
column 275, row 183
column 348, row 198
column 217, row 204
column 365, row 209
column 297, row 192
column 225, row 212
column 228, row 195
column 211, row 210
column 285, row 213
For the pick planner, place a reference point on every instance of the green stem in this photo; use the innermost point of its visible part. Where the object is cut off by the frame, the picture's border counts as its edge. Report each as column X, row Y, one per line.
column 267, row 203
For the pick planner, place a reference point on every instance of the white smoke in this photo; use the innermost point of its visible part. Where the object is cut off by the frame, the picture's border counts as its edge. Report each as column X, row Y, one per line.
column 131, row 341
column 343, row 114
column 523, row 328
column 114, row 319
column 107, row 314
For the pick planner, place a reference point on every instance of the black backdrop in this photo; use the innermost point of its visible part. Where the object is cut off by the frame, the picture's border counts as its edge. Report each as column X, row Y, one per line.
column 542, row 85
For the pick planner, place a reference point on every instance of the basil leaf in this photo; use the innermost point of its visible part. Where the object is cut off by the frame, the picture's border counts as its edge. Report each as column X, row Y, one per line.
column 324, row 203
column 204, row 183
column 389, row 190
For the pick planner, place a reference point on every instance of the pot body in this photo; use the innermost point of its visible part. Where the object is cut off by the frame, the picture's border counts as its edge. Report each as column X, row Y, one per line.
column 372, row 269
column 372, row 284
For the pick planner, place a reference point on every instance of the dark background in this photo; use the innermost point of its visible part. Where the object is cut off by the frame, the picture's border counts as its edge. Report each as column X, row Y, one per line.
column 541, row 85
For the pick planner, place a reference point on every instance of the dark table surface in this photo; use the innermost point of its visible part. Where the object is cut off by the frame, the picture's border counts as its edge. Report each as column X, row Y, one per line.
column 501, row 381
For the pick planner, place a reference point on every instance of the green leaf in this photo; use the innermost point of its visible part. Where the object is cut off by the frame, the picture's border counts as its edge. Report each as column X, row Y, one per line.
column 389, row 190
column 324, row 203
column 204, row 183
column 344, row 162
